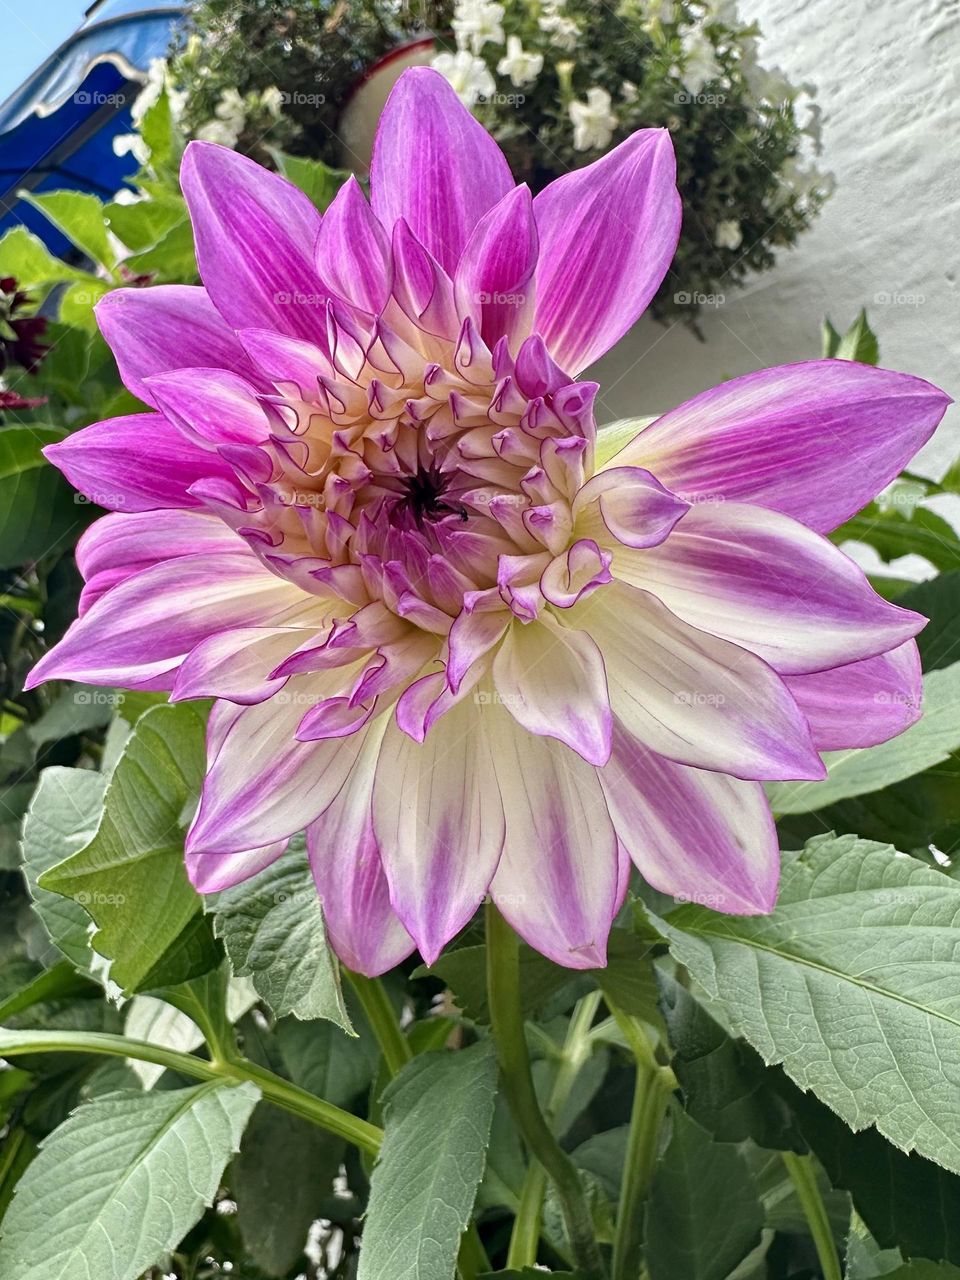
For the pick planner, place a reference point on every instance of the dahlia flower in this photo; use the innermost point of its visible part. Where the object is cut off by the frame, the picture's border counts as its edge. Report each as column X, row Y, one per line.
column 451, row 638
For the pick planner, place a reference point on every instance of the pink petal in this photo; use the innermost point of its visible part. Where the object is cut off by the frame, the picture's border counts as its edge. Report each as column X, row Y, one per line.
column 213, row 872
column 495, row 276
column 551, row 680
column 213, row 406
column 261, row 779
column 862, row 703
column 631, row 506
column 816, row 441
column 118, row 546
column 434, row 165
column 256, row 235
column 607, row 236
column 361, row 925
column 353, row 250
column 557, row 882
column 138, row 634
column 700, row 836
column 692, row 697
column 236, row 664
column 439, row 824
column 767, row 583
column 169, row 326
column 137, row 463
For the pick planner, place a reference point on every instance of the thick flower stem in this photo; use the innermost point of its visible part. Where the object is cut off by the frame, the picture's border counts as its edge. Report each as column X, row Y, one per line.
column 503, row 993
column 525, row 1237
column 376, row 1005
column 652, row 1090
column 803, row 1176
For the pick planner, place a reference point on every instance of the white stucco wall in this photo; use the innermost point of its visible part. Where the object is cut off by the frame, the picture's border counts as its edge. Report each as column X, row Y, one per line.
column 888, row 78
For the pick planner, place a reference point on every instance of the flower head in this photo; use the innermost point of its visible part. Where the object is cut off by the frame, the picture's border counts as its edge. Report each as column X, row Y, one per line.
column 522, row 68
column 468, row 75
column 593, row 121
column 369, row 514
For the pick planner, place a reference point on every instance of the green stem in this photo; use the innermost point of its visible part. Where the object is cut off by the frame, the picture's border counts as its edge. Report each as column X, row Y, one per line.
column 652, row 1089
column 395, row 1047
column 525, row 1237
column 804, row 1178
column 273, row 1087
column 503, row 992
column 376, row 1005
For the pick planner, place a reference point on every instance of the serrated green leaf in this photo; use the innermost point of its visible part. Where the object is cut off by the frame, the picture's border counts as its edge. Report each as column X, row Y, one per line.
column 147, row 1164
column 80, row 216
column 858, row 343
column 25, row 257
column 850, row 984
column 322, row 1059
column 438, row 1115
column 272, row 928
column 38, row 515
column 703, row 1216
column 726, row 1088
column 62, row 819
column 857, row 772
column 130, row 878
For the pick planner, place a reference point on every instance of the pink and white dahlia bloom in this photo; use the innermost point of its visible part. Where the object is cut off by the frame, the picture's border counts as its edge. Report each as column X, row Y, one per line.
column 448, row 638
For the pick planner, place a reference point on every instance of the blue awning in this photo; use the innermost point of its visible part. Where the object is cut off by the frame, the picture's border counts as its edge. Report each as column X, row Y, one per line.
column 57, row 129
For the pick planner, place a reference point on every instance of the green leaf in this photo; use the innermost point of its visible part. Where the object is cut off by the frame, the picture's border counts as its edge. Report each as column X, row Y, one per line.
column 80, row 216
column 172, row 258
column 812, row 986
column 158, row 130
column 438, row 1115
column 38, row 515
column 272, row 928
column 726, row 1087
column 830, row 339
column 142, row 225
column 903, row 530
column 905, row 1200
column 313, row 177
column 858, row 343
column 147, row 1164
column 703, row 1216
column 285, row 1168
column 25, row 256
column 62, row 819
column 323, row 1060
column 920, row 1269
column 131, row 877
column 938, row 600
column 856, row 772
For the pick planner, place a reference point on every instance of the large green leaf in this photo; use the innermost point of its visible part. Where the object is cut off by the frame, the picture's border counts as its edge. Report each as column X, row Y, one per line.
column 285, row 1168
column 62, row 819
column 437, row 1127
column 906, row 529
column 938, row 600
column 851, row 983
column 130, row 877
column 272, row 928
column 80, row 216
column 852, row 773
column 121, row 1182
column 38, row 515
column 25, row 257
column 313, row 177
column 703, row 1215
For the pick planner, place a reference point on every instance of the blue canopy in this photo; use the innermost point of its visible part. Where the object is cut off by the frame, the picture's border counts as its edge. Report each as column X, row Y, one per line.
column 57, row 129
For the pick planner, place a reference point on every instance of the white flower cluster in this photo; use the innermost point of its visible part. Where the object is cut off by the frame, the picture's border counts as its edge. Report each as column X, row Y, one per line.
column 231, row 112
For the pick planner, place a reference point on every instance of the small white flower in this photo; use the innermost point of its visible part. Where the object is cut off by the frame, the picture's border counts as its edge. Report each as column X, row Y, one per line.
column 628, row 91
column 593, row 121
column 563, row 31
column 469, row 75
column 125, row 144
column 700, row 64
column 729, row 235
column 226, row 134
column 157, row 80
column 522, row 68
column 477, row 21
column 272, row 100
column 658, row 11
